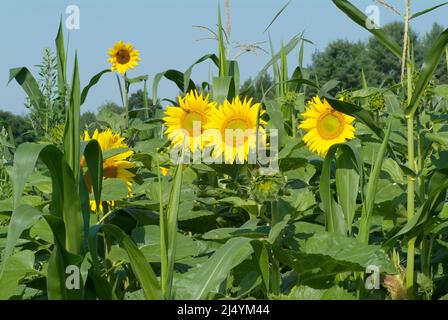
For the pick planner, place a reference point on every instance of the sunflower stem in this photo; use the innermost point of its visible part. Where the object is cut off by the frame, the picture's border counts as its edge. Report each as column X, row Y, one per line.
column 145, row 99
column 163, row 239
column 126, row 101
column 275, row 268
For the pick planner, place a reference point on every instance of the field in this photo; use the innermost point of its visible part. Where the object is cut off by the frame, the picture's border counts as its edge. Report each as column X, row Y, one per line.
column 302, row 191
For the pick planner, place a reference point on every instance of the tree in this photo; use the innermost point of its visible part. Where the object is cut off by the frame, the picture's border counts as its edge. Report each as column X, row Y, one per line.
column 111, row 106
column 20, row 126
column 86, row 119
column 258, row 89
column 425, row 45
column 387, row 66
column 136, row 102
column 342, row 60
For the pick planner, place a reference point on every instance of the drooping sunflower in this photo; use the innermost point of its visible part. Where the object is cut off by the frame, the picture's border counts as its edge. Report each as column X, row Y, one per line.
column 123, row 57
column 228, row 120
column 325, row 126
column 186, row 122
column 117, row 166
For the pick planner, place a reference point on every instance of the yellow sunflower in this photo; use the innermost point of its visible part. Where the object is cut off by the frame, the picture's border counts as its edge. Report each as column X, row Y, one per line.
column 232, row 119
column 325, row 126
column 123, row 57
column 187, row 122
column 116, row 166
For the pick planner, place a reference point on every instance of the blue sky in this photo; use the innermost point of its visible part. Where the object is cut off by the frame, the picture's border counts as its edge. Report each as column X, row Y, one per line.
column 162, row 30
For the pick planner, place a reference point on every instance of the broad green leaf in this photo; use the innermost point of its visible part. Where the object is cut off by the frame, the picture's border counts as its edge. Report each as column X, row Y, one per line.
column 187, row 73
column 430, row 64
column 362, row 20
column 348, row 174
column 334, row 217
column 206, row 279
column 62, row 64
column 173, row 75
column 325, row 255
column 364, row 224
column 142, row 270
column 170, row 233
column 16, row 269
column 29, row 84
column 23, row 218
column 72, row 131
column 92, row 82
column 223, row 89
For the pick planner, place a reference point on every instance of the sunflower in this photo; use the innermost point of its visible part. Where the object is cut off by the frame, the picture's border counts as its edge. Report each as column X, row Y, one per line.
column 123, row 57
column 231, row 118
column 325, row 126
column 187, row 121
column 116, row 166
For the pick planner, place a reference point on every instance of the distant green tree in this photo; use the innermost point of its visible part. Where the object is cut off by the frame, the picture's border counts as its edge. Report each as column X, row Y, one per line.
column 258, row 89
column 86, row 119
column 21, row 127
column 136, row 102
column 387, row 67
column 342, row 60
column 426, row 43
column 111, row 106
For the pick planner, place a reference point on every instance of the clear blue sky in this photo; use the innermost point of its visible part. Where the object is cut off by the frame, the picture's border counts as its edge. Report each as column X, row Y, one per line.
column 162, row 31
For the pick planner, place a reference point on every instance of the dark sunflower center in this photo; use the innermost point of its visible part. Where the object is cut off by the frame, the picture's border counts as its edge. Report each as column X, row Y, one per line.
column 110, row 172
column 123, row 56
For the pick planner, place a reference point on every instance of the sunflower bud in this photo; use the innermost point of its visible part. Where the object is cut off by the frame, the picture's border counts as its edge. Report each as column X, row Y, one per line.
column 345, row 96
column 377, row 101
column 267, row 188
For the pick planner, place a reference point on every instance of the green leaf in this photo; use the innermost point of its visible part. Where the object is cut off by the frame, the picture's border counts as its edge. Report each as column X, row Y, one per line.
column 223, row 88
column 16, row 268
column 173, row 75
column 94, row 160
column 142, row 270
column 437, row 196
column 361, row 19
column 325, row 255
column 113, row 190
column 223, row 71
column 348, row 174
column 334, row 217
column 92, row 82
column 277, row 56
column 277, row 15
column 420, row 13
column 364, row 228
column 430, row 64
column 62, row 64
column 72, row 131
column 187, row 73
column 262, row 257
column 23, row 218
column 170, row 234
column 207, row 278
column 29, row 84
column 65, row 197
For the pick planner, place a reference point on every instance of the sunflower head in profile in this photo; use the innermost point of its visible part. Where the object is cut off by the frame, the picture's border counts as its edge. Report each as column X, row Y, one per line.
column 123, row 57
column 185, row 123
column 325, row 126
column 116, row 166
column 236, row 123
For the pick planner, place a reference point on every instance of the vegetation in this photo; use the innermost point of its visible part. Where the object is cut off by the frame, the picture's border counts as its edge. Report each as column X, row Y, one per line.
column 337, row 191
